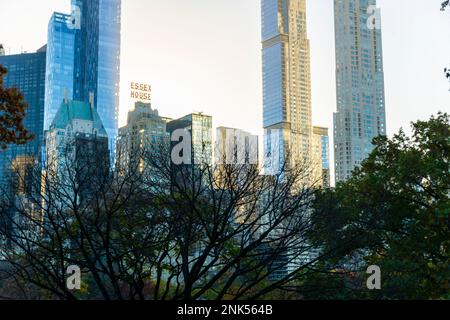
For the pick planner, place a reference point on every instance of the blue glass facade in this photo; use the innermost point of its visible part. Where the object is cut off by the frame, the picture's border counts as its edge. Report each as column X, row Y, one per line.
column 97, row 60
column 360, row 112
column 274, row 59
column 26, row 72
column 274, row 149
column 273, row 95
column 274, row 83
column 270, row 25
column 60, row 61
column 287, row 114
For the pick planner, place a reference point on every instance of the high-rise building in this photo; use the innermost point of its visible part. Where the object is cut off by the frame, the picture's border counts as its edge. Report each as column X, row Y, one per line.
column 197, row 128
column 77, row 147
column 97, row 59
column 235, row 157
column 144, row 134
column 190, row 151
column 235, row 147
column 287, row 83
column 2, row 50
column 360, row 112
column 321, row 156
column 60, row 63
column 26, row 72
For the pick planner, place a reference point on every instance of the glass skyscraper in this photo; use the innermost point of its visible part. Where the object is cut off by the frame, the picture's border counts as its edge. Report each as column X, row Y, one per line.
column 286, row 83
column 360, row 112
column 97, row 59
column 60, row 61
column 26, row 72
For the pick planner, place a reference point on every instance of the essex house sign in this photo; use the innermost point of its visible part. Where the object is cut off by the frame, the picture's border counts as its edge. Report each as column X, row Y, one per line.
column 141, row 91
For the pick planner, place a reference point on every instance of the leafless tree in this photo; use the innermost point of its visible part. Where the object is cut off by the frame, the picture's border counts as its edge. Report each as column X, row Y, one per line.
column 155, row 230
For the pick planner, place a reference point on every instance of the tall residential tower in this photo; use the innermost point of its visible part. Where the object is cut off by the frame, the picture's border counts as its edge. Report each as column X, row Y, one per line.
column 287, row 84
column 97, row 59
column 360, row 112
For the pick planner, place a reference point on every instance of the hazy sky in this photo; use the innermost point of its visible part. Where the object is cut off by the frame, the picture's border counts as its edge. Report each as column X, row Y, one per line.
column 205, row 55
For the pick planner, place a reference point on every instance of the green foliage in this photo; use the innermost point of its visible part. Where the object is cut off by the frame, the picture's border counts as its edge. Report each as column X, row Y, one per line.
column 396, row 207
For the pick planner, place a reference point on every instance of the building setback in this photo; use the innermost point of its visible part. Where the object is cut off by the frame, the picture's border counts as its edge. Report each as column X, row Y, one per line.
column 360, row 112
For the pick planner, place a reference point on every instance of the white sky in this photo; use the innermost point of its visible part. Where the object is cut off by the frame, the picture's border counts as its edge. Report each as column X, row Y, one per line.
column 205, row 55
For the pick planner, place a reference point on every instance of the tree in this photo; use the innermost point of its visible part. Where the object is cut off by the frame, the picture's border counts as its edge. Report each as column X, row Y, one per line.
column 154, row 230
column 398, row 202
column 12, row 115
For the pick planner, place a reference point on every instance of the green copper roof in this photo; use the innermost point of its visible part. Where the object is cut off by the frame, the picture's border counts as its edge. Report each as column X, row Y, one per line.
column 76, row 110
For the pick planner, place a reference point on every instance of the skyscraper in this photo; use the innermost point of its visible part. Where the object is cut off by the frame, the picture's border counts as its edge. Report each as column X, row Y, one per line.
column 286, row 82
column 235, row 155
column 97, row 59
column 190, row 151
column 236, row 147
column 145, row 133
column 77, row 148
column 360, row 112
column 60, row 62
column 26, row 72
column 199, row 128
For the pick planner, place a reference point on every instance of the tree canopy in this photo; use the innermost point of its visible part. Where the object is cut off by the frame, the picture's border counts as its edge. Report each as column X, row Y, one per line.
column 12, row 115
column 398, row 205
